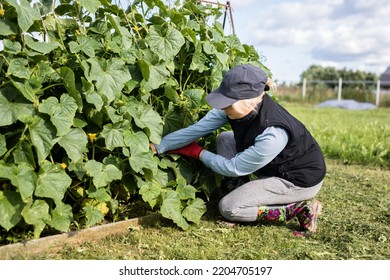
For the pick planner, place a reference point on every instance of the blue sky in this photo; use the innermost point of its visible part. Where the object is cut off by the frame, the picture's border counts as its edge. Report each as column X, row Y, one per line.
column 294, row 34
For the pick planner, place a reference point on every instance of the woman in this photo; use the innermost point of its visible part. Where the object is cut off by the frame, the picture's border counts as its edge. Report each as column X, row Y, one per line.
column 265, row 141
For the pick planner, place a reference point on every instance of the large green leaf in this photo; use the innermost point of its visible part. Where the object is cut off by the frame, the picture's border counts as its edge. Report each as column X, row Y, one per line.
column 185, row 191
column 21, row 176
column 100, row 194
column 26, row 13
column 154, row 75
column 61, row 113
column 11, row 206
column 11, row 46
column 165, row 42
column 52, row 182
column 90, row 5
column 43, row 136
column 140, row 160
column 110, row 76
column 198, row 62
column 152, row 3
column 75, row 143
column 44, row 71
column 29, row 88
column 42, row 47
column 146, row 118
column 13, row 105
column 233, row 42
column 68, row 78
column 173, row 120
column 24, row 154
column 194, row 97
column 113, row 136
column 112, row 113
column 61, row 217
column 150, row 193
column 102, row 174
column 60, row 24
column 87, row 45
column 171, row 208
column 91, row 95
column 122, row 31
column 138, row 142
column 7, row 28
column 209, row 48
column 161, row 177
column 92, row 214
column 95, row 99
column 194, row 210
column 18, row 67
column 223, row 58
column 140, row 155
column 37, row 214
column 47, row 6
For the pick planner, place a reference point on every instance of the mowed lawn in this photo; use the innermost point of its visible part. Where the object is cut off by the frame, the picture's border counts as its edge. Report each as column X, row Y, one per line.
column 355, row 223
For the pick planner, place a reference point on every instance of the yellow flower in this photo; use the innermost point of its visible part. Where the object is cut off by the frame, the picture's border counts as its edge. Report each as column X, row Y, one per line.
column 63, row 165
column 2, row 12
column 136, row 28
column 102, row 207
column 92, row 137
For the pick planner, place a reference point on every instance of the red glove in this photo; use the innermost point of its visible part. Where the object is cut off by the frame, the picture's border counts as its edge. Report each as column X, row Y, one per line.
column 191, row 150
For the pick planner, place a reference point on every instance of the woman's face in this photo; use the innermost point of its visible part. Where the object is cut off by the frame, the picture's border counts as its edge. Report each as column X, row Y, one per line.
column 229, row 110
column 242, row 108
column 232, row 113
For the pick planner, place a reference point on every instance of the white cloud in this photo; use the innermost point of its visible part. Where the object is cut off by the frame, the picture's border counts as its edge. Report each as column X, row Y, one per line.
column 338, row 32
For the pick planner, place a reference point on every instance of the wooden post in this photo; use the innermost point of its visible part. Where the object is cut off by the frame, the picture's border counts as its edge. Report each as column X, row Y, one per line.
column 227, row 7
column 340, row 89
column 304, row 88
column 378, row 92
column 231, row 16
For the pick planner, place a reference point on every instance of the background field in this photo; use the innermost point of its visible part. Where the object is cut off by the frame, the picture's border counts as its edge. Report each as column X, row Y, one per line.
column 356, row 195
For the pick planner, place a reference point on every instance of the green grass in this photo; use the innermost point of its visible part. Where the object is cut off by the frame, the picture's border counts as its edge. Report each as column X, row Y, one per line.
column 355, row 223
column 361, row 137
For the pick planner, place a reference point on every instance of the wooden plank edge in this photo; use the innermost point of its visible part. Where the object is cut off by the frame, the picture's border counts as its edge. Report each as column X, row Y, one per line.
column 54, row 243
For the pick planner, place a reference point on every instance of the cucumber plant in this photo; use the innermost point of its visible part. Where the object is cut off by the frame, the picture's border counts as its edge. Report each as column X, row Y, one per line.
column 85, row 86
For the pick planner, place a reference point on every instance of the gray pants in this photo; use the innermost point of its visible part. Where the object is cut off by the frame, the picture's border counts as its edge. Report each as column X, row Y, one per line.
column 241, row 205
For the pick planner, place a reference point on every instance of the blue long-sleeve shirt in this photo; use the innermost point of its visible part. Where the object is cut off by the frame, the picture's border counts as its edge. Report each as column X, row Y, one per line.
column 266, row 147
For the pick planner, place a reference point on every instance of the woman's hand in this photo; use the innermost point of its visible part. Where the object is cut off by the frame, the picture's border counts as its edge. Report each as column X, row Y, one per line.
column 153, row 148
column 192, row 150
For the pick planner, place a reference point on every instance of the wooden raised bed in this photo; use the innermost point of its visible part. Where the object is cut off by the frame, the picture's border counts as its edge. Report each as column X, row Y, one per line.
column 54, row 243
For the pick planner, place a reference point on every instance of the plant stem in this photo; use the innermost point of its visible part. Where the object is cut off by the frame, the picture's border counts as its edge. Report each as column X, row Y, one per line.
column 93, row 151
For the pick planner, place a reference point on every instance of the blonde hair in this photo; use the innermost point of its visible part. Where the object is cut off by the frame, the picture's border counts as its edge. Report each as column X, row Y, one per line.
column 243, row 107
column 271, row 85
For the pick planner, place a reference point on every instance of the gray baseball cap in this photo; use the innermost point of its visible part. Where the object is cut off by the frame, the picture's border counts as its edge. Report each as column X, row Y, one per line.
column 241, row 82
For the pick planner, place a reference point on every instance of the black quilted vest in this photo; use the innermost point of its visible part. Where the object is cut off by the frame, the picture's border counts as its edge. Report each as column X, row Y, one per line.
column 301, row 161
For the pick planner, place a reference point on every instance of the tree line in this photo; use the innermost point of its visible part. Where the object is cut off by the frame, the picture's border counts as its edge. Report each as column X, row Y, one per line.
column 329, row 73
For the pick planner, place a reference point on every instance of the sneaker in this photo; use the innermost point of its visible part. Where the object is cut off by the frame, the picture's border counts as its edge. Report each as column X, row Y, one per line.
column 308, row 217
column 281, row 213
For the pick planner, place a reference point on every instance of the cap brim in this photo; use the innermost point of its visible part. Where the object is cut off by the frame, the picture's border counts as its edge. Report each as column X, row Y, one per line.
column 219, row 101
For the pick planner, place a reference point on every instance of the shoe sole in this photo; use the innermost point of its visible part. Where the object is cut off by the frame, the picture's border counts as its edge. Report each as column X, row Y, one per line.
column 317, row 211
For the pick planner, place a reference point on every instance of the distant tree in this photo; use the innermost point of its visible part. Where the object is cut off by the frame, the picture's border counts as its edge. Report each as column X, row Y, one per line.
column 316, row 72
column 356, row 83
column 357, row 75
